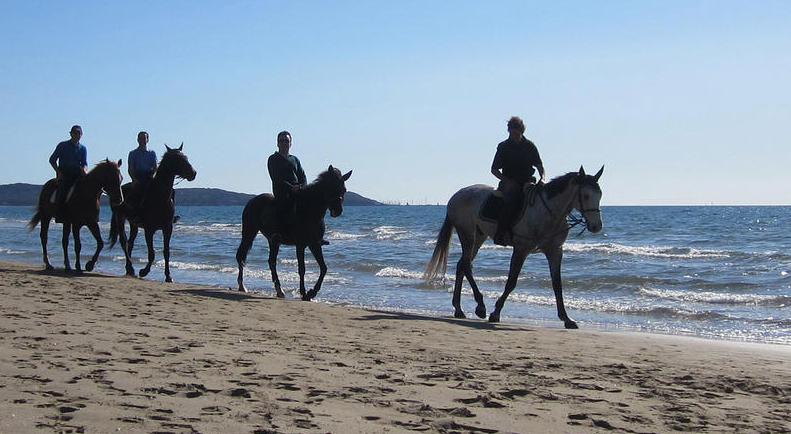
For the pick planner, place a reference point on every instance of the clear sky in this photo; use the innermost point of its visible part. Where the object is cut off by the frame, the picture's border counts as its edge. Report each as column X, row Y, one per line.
column 685, row 102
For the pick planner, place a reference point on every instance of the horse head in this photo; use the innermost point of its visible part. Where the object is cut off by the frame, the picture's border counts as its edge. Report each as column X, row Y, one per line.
column 108, row 175
column 588, row 198
column 334, row 189
column 176, row 162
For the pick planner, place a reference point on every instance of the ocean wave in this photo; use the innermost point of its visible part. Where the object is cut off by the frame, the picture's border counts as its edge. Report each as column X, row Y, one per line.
column 717, row 298
column 230, row 228
column 343, row 236
column 398, row 273
column 608, row 306
column 647, row 251
column 391, row 233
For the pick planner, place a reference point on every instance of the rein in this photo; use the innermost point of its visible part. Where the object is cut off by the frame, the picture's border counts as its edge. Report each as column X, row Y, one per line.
column 571, row 219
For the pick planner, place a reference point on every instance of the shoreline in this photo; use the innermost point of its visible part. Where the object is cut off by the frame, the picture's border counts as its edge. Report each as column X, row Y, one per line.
column 101, row 353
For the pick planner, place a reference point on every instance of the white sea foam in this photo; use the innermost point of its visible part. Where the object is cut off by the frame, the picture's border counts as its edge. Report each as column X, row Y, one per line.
column 398, row 273
column 715, row 297
column 392, row 233
column 647, row 251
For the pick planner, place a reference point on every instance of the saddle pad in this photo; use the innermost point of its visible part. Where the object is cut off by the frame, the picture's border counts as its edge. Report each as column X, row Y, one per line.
column 492, row 207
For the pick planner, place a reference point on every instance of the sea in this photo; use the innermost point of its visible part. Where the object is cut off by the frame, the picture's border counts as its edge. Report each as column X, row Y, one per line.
column 715, row 272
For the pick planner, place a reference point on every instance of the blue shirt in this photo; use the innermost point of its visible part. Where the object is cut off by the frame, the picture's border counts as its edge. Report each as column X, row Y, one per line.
column 142, row 163
column 69, row 158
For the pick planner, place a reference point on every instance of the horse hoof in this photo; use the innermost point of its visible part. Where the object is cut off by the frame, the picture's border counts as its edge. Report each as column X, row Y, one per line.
column 143, row 273
column 89, row 266
column 571, row 325
column 168, row 280
column 459, row 315
column 481, row 312
column 281, row 295
column 494, row 318
column 49, row 267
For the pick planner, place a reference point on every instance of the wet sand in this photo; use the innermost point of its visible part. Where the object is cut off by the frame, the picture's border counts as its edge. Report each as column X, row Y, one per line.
column 101, row 354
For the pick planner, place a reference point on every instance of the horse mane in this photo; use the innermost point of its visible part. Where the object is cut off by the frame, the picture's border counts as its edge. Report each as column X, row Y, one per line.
column 102, row 164
column 558, row 184
column 325, row 176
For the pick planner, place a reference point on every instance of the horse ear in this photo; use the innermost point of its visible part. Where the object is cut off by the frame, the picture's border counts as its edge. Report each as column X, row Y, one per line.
column 182, row 146
column 119, row 162
column 598, row 174
column 167, row 147
column 329, row 169
column 347, row 176
column 582, row 171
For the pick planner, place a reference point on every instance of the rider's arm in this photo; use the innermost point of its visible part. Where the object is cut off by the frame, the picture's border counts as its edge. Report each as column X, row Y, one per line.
column 53, row 159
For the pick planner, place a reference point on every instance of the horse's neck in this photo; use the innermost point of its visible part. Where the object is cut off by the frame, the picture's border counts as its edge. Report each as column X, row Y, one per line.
column 545, row 212
column 90, row 184
column 562, row 204
column 164, row 181
column 309, row 201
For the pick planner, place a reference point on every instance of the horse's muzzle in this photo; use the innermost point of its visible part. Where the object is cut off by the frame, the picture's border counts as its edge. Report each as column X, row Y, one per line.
column 594, row 227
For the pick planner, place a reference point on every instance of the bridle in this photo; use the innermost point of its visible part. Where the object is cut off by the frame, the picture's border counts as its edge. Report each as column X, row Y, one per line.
column 574, row 220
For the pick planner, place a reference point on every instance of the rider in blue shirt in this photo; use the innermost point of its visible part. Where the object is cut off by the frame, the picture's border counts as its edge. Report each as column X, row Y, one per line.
column 70, row 161
column 142, row 164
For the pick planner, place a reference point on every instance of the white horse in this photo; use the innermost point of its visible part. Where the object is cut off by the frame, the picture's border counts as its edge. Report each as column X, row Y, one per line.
column 542, row 226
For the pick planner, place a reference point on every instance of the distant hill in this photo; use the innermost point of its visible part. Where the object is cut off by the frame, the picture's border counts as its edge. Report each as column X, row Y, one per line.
column 27, row 195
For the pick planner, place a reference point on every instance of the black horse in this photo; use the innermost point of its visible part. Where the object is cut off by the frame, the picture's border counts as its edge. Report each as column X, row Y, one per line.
column 306, row 230
column 155, row 212
column 82, row 209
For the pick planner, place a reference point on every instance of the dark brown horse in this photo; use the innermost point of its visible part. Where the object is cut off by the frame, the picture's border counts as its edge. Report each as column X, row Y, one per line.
column 155, row 212
column 82, row 209
column 307, row 228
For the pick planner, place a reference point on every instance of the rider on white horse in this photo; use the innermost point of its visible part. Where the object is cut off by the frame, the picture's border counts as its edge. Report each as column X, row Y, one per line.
column 513, row 166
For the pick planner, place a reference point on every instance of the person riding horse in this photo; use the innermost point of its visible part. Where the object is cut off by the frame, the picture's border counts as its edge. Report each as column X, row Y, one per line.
column 142, row 166
column 513, row 166
column 70, row 161
column 288, row 179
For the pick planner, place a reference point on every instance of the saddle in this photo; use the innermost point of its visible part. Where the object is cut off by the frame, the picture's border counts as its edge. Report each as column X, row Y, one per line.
column 493, row 206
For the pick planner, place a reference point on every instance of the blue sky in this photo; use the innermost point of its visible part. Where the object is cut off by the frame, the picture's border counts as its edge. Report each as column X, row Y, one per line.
column 685, row 102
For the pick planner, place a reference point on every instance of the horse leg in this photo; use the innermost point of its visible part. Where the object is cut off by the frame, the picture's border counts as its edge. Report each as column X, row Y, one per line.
column 132, row 236
column 120, row 222
column 65, row 244
column 149, row 234
column 75, row 232
column 248, row 236
column 94, row 228
column 554, row 257
column 301, row 269
column 43, row 235
column 517, row 260
column 274, row 248
column 318, row 254
column 480, row 309
column 458, row 312
column 469, row 250
column 167, row 231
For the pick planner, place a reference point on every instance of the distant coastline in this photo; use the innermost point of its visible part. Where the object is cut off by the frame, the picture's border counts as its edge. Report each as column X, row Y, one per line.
column 21, row 194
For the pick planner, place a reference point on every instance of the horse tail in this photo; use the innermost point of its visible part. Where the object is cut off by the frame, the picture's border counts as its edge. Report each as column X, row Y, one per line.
column 113, row 237
column 439, row 260
column 35, row 220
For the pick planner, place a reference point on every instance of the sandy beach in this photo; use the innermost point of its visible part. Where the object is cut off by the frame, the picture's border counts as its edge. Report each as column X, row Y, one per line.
column 100, row 354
